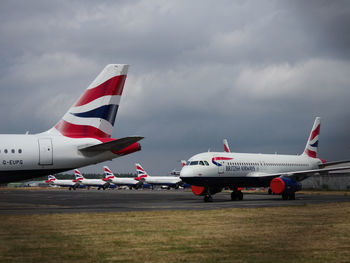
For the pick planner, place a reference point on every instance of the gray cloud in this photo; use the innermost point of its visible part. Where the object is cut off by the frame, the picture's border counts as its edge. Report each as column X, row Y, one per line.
column 255, row 72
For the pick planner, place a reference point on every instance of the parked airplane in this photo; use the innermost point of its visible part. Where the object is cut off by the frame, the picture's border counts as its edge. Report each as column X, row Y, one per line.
column 52, row 180
column 226, row 147
column 99, row 183
column 176, row 172
column 82, row 137
column 120, row 181
column 170, row 181
column 210, row 172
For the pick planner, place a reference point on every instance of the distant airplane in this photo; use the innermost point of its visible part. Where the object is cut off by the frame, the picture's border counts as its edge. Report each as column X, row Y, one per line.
column 120, row 181
column 208, row 173
column 170, row 181
column 176, row 172
column 226, row 147
column 99, row 183
column 82, row 137
column 52, row 180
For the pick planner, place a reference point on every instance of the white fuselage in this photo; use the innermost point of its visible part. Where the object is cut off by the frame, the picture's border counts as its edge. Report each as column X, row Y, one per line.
column 62, row 182
column 27, row 156
column 162, row 180
column 92, row 182
column 242, row 169
column 124, row 181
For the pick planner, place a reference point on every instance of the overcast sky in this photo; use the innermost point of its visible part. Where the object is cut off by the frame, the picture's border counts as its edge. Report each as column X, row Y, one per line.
column 254, row 72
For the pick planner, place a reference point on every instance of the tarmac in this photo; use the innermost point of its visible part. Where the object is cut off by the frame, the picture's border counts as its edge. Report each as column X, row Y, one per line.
column 46, row 201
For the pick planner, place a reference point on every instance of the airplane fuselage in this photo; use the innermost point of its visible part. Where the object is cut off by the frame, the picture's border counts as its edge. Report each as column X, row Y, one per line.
column 27, row 156
column 242, row 169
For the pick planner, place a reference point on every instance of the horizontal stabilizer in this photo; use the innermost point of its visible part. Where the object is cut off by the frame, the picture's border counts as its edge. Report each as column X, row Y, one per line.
column 333, row 163
column 115, row 145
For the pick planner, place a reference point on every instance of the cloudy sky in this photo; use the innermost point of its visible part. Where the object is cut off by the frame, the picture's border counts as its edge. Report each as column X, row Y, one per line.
column 254, row 72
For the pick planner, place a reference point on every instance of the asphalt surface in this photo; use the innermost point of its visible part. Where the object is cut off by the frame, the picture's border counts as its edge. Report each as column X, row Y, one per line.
column 44, row 201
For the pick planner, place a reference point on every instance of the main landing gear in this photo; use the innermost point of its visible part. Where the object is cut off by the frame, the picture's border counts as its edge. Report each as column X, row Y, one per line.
column 236, row 195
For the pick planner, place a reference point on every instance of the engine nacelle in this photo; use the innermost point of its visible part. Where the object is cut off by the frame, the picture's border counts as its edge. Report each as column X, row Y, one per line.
column 280, row 185
column 202, row 190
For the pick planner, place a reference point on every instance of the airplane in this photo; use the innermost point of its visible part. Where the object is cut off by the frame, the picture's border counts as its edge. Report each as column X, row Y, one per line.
column 81, row 137
column 99, row 183
column 119, row 181
column 226, row 147
column 176, row 172
column 208, row 173
column 52, row 180
column 169, row 181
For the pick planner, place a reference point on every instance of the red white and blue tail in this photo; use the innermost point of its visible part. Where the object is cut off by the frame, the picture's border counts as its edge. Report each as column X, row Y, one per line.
column 141, row 173
column 108, row 174
column 311, row 147
column 78, row 176
column 94, row 113
column 50, row 178
column 226, row 147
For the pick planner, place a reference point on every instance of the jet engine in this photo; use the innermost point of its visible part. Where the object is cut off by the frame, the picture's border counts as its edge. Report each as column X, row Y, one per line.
column 285, row 186
column 202, row 190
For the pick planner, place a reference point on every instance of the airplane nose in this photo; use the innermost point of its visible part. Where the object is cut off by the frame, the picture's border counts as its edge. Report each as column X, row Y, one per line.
column 186, row 172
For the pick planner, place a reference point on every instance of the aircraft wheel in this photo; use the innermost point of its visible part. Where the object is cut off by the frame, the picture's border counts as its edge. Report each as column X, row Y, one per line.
column 292, row 196
column 285, row 196
column 240, row 196
column 270, row 192
column 70, row 188
column 233, row 196
column 208, row 198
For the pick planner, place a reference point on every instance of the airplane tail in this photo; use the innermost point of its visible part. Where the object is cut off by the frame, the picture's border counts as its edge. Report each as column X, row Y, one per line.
column 141, row 173
column 78, row 176
column 50, row 178
column 226, row 147
column 108, row 173
column 94, row 113
column 311, row 147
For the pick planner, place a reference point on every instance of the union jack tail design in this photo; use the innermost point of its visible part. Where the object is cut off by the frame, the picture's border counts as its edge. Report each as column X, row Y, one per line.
column 50, row 178
column 108, row 174
column 226, row 147
column 141, row 173
column 94, row 113
column 78, row 176
column 311, row 147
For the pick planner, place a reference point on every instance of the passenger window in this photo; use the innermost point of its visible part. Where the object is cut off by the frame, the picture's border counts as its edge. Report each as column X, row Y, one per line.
column 20, row 151
column 13, row 150
column 5, row 151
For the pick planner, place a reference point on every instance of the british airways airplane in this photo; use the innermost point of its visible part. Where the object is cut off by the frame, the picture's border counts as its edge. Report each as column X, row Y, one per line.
column 82, row 137
column 208, row 173
column 52, row 180
column 120, row 181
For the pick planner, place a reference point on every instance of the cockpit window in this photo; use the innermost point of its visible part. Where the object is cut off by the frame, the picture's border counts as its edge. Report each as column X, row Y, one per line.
column 194, row 163
column 201, row 163
column 188, row 163
column 206, row 163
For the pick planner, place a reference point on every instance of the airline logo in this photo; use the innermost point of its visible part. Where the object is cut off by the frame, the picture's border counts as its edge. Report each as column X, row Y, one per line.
column 141, row 173
column 93, row 115
column 311, row 149
column 50, row 179
column 215, row 159
column 78, row 176
column 108, row 174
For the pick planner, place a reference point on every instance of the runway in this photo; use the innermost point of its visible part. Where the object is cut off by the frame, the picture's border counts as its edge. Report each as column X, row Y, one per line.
column 44, row 201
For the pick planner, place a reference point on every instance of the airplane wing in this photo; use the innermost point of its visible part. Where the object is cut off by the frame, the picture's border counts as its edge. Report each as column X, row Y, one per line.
column 298, row 175
column 115, row 145
column 333, row 163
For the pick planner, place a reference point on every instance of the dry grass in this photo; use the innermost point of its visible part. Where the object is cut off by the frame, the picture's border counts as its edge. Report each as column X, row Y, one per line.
column 312, row 233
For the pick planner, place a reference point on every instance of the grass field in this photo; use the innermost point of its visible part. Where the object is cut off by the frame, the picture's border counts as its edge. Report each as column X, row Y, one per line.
column 312, row 233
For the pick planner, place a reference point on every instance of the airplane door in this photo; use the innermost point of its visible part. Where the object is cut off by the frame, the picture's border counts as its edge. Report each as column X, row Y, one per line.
column 45, row 152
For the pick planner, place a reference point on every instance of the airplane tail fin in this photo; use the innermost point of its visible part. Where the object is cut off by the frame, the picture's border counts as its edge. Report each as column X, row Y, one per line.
column 94, row 113
column 50, row 178
column 141, row 173
column 78, row 175
column 108, row 173
column 311, row 147
column 226, row 147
